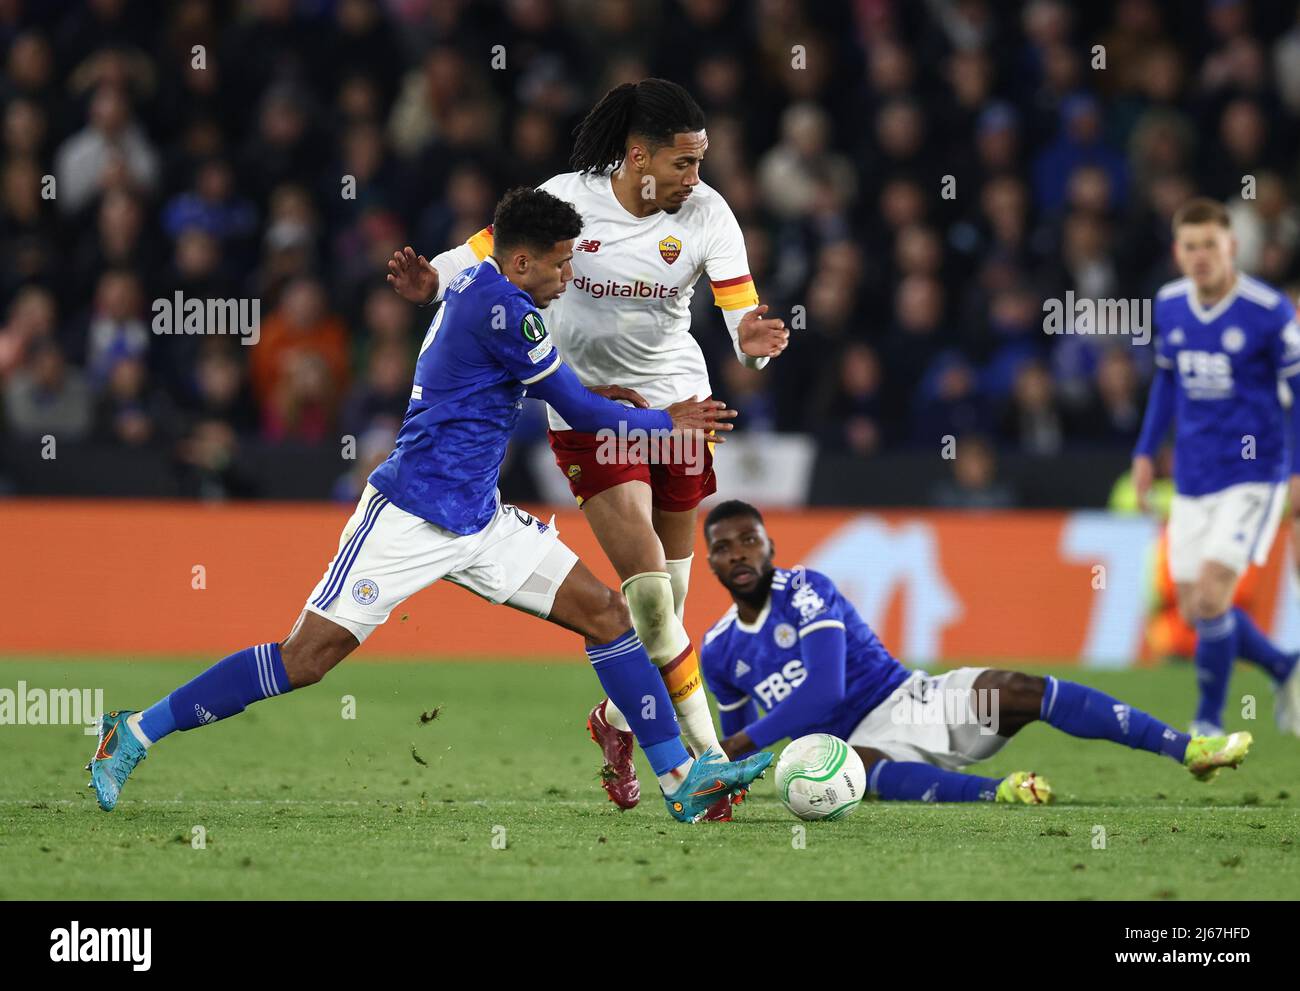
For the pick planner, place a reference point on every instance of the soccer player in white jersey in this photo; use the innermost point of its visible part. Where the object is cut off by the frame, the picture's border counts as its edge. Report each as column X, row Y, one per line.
column 651, row 229
column 1227, row 346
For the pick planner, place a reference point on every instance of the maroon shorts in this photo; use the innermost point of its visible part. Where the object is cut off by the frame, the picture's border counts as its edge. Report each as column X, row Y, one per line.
column 679, row 476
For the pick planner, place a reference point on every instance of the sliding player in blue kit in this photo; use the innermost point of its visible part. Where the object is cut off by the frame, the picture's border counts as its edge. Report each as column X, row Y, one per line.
column 793, row 646
column 432, row 510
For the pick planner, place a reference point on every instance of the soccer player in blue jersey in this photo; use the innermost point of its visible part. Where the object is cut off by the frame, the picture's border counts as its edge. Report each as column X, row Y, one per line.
column 792, row 657
column 432, row 510
column 1227, row 349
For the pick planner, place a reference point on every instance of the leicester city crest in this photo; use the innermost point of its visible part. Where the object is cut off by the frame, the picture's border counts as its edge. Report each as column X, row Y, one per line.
column 365, row 591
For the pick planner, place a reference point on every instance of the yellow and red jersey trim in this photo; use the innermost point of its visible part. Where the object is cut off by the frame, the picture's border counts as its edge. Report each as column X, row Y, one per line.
column 481, row 243
column 735, row 294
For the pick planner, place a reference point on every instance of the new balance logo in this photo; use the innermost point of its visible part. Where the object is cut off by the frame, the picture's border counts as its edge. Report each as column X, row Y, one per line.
column 1121, row 713
column 203, row 714
column 742, row 669
column 592, row 246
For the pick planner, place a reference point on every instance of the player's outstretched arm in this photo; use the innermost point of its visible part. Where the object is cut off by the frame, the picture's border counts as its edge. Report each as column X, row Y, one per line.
column 823, row 650
column 704, row 416
column 413, row 277
column 760, row 336
column 1155, row 424
column 588, row 412
column 421, row 281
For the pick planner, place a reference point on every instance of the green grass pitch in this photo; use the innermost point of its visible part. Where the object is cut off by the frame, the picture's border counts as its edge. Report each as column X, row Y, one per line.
column 298, row 802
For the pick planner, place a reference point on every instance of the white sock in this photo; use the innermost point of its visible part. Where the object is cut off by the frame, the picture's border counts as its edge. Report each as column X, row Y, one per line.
column 650, row 600
column 679, row 574
column 693, row 717
column 133, row 724
column 614, row 716
column 696, row 723
column 670, row 782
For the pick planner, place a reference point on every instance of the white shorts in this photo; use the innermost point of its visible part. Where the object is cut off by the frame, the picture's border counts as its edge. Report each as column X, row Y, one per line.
column 932, row 719
column 1233, row 526
column 386, row 555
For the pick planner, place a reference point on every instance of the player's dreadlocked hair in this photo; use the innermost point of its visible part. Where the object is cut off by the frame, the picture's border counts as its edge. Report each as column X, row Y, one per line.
column 653, row 108
column 532, row 218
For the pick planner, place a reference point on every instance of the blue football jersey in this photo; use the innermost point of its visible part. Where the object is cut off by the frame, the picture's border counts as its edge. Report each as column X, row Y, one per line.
column 485, row 346
column 761, row 661
column 1227, row 362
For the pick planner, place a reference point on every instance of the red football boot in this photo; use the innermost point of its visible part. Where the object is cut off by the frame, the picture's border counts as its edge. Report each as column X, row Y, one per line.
column 618, row 776
column 720, row 811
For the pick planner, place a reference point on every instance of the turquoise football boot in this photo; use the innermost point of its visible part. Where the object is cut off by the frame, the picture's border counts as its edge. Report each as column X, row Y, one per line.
column 710, row 778
column 115, row 757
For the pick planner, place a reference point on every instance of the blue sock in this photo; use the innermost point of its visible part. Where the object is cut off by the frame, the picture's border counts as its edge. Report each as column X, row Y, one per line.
column 1259, row 649
column 1085, row 712
column 224, row 689
column 912, row 781
column 633, row 683
column 1216, row 649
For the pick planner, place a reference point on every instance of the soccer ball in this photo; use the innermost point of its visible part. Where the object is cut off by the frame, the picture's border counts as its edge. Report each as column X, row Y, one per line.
column 820, row 778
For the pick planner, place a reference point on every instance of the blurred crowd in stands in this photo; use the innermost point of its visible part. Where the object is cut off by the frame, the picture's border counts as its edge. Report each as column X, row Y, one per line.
column 913, row 180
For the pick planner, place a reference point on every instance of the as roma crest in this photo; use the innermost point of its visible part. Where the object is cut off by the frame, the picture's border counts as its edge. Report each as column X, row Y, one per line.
column 669, row 249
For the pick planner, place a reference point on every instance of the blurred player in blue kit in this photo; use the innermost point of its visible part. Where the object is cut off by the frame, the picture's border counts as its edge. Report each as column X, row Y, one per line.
column 1227, row 352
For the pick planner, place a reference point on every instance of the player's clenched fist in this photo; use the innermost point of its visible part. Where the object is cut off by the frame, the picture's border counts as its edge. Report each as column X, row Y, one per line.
column 709, row 415
column 412, row 276
column 762, row 338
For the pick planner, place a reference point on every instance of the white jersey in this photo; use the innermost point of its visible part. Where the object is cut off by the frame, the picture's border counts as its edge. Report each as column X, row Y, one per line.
column 625, row 319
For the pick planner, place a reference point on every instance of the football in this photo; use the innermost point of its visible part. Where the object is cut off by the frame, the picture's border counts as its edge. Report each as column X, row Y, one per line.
column 820, row 778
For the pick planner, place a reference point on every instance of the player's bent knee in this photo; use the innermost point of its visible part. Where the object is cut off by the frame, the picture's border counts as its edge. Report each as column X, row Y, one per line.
column 1026, row 691
column 1208, row 603
column 612, row 619
column 314, row 648
column 1017, row 695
